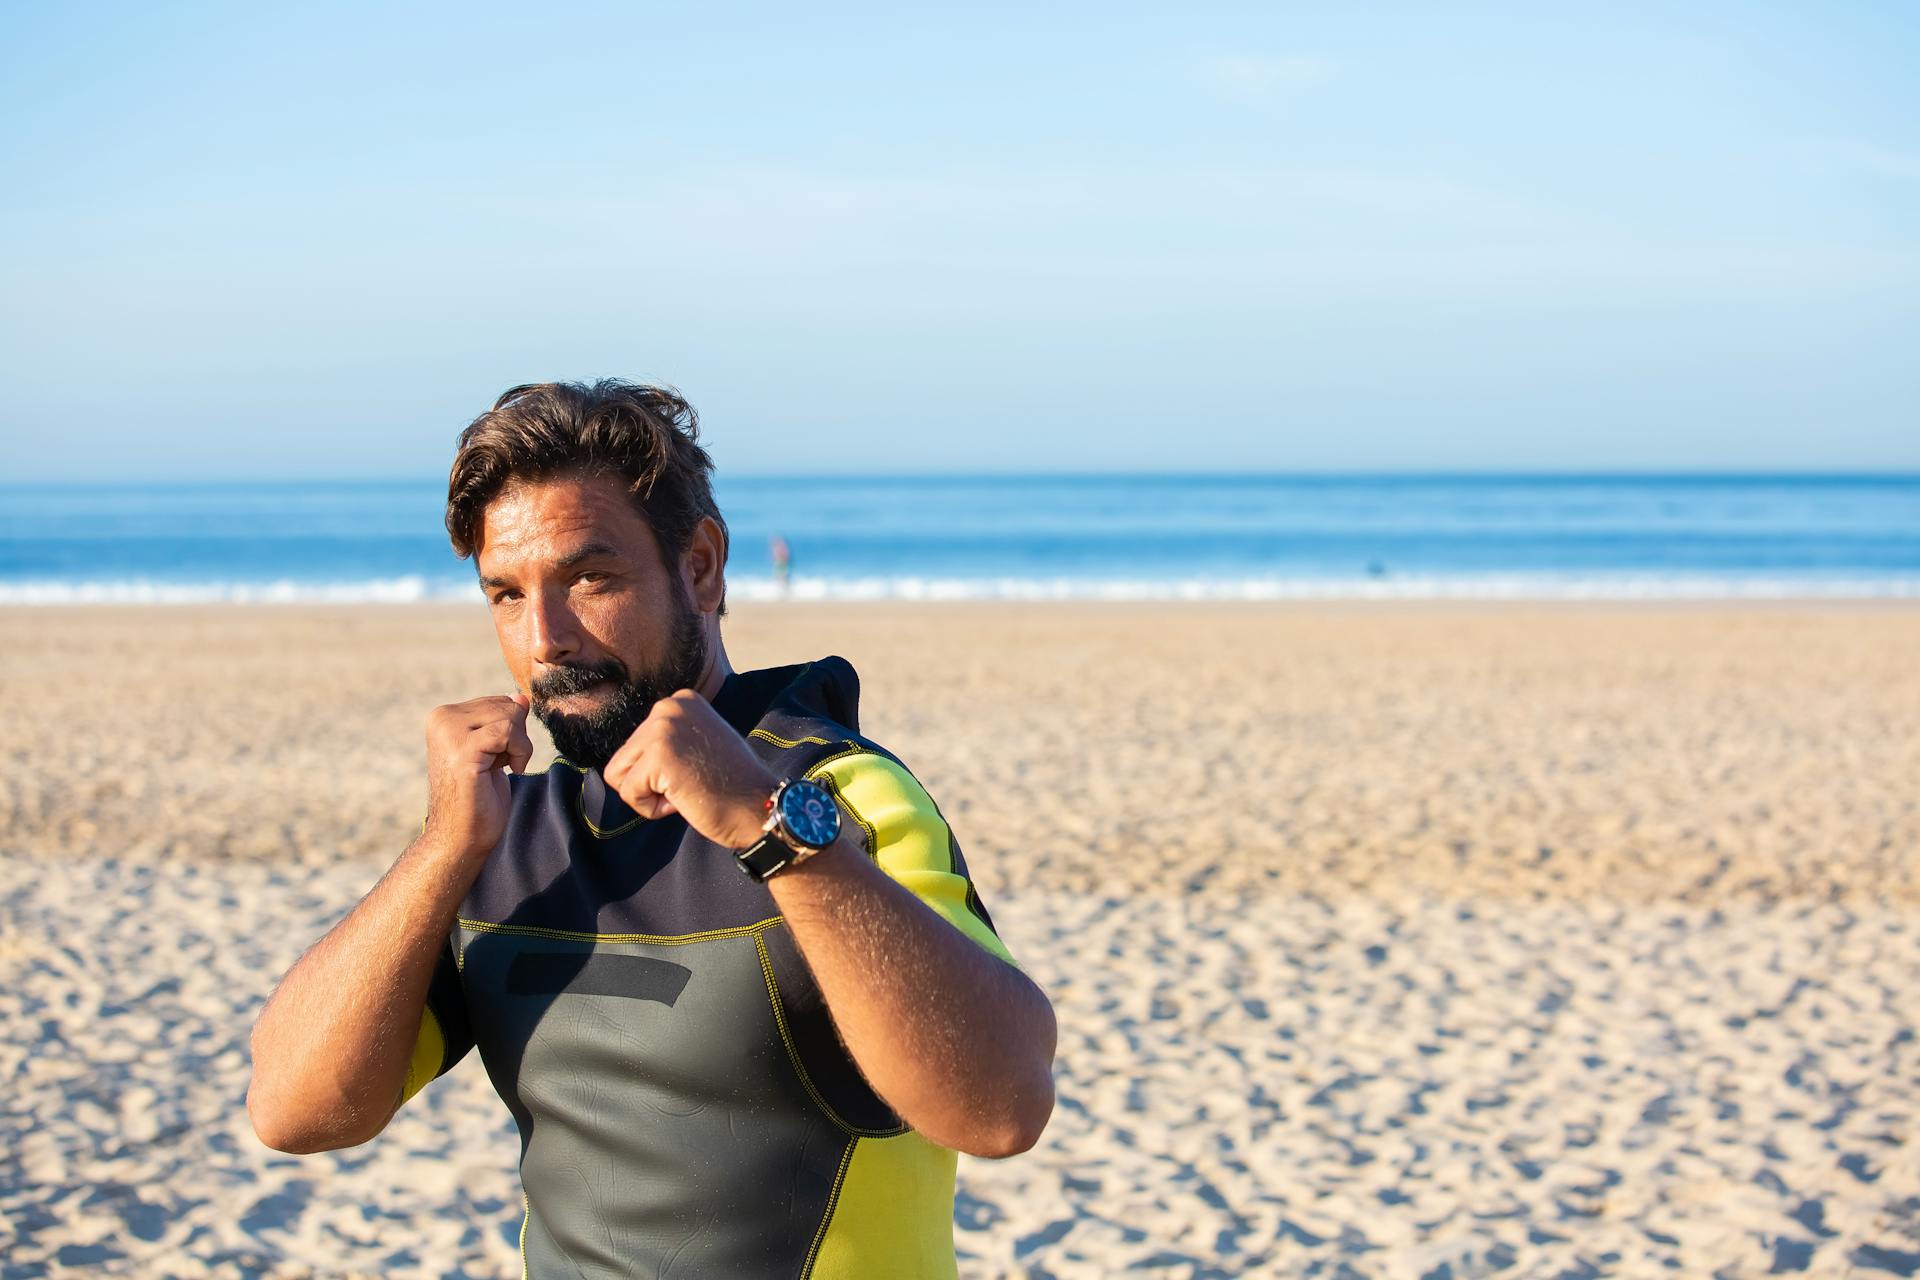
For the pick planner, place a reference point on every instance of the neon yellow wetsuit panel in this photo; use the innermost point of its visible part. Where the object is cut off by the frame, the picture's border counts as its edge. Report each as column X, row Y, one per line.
column 894, row 1213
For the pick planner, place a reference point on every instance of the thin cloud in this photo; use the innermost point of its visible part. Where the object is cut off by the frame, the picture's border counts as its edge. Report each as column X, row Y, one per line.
column 1261, row 77
column 1871, row 157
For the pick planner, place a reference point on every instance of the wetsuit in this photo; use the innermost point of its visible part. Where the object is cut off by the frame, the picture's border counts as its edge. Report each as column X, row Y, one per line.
column 685, row 1107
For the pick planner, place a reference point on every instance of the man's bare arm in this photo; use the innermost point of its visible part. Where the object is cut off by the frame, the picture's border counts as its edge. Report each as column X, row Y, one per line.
column 331, row 1049
column 959, row 1042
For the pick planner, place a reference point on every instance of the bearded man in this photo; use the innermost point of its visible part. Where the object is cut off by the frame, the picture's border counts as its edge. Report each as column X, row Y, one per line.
column 722, row 960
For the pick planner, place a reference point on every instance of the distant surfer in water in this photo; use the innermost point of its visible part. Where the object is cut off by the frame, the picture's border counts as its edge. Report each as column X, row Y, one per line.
column 782, row 562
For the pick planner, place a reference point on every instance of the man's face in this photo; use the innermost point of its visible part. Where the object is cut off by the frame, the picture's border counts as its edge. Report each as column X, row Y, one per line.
column 593, row 626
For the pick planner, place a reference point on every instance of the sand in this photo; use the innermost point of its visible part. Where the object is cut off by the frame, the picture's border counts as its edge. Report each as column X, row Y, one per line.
column 1386, row 940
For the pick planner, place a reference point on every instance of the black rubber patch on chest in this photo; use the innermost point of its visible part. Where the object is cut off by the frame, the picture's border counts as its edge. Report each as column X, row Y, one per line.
column 596, row 973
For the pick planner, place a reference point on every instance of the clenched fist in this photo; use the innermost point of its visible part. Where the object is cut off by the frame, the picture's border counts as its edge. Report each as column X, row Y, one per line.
column 470, row 747
column 685, row 759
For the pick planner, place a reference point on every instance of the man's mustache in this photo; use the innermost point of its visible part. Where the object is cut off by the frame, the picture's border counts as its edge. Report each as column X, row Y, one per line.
column 560, row 680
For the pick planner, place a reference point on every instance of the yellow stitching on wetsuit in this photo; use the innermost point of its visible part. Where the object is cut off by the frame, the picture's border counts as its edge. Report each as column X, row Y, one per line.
column 658, row 939
column 780, row 1021
column 580, row 807
column 832, row 784
column 853, row 749
column 793, row 1051
column 580, row 803
column 779, row 741
column 526, row 1216
column 833, row 1202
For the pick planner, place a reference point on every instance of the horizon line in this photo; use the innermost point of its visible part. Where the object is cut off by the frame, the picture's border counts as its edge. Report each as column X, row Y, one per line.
column 1336, row 474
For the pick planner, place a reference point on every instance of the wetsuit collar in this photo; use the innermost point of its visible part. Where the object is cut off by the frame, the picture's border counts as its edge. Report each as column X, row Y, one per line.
column 745, row 696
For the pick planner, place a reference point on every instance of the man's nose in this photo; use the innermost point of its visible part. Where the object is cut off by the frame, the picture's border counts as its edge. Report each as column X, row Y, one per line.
column 556, row 632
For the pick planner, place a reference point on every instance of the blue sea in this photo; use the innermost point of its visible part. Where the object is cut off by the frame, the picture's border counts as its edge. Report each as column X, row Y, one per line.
column 1031, row 537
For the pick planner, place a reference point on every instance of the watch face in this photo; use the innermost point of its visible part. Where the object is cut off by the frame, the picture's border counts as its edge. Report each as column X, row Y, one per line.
column 809, row 814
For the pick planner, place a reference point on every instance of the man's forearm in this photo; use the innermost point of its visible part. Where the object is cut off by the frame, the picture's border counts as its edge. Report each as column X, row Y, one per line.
column 957, row 1041
column 330, row 1050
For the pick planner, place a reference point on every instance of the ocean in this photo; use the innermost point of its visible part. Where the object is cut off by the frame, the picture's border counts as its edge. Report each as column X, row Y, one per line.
column 1031, row 537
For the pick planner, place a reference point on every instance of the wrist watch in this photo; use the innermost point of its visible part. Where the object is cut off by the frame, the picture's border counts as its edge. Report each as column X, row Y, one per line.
column 802, row 819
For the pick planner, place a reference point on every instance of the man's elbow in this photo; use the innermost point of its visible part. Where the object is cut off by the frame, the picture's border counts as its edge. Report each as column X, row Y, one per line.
column 1029, row 1102
column 298, row 1131
column 275, row 1128
column 1012, row 1140
column 1019, row 1129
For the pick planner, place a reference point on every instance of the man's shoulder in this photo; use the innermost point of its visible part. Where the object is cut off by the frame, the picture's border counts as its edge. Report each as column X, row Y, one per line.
column 793, row 748
column 812, row 713
column 824, row 692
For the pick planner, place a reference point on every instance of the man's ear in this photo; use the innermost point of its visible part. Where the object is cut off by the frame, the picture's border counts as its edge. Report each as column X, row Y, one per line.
column 705, row 565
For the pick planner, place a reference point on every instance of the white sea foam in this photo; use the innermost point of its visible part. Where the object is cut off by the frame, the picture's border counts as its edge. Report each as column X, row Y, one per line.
column 1510, row 586
column 1409, row 587
column 140, row 591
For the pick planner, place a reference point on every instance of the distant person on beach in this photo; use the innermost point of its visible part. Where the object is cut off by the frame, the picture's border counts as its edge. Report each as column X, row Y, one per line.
column 782, row 562
column 722, row 960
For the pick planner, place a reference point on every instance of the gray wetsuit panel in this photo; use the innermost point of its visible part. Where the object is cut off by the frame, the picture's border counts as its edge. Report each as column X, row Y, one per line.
column 665, row 1130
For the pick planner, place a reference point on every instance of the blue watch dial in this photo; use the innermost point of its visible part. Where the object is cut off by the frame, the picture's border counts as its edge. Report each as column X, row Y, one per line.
column 809, row 814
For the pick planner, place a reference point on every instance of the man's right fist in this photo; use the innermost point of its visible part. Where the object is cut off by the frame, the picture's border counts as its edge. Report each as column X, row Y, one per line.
column 470, row 747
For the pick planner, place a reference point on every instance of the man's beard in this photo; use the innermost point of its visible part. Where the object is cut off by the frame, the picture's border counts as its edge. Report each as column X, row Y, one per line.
column 590, row 739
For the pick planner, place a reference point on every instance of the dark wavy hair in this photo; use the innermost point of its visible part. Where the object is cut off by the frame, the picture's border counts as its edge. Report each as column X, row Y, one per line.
column 649, row 436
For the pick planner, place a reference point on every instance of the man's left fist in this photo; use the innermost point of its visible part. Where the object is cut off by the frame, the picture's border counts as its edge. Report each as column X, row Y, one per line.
column 685, row 759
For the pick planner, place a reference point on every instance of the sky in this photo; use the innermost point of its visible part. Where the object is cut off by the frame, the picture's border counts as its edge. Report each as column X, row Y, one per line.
column 266, row 241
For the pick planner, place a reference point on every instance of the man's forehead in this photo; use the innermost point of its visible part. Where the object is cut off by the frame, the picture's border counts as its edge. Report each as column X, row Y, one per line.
column 557, row 519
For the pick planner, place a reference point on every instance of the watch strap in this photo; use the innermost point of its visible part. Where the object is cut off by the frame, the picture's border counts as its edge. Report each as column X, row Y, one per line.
column 765, row 856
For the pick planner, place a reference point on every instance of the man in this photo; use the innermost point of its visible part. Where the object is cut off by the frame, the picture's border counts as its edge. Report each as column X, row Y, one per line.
column 714, row 1074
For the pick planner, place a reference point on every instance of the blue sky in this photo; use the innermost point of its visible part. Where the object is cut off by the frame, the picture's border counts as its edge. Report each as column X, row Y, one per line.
column 250, row 241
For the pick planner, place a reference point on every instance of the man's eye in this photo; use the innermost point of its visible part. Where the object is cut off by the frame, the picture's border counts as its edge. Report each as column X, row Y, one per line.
column 506, row 597
column 591, row 576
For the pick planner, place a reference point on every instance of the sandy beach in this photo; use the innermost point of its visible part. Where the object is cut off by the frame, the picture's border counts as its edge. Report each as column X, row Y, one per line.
column 1396, row 940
